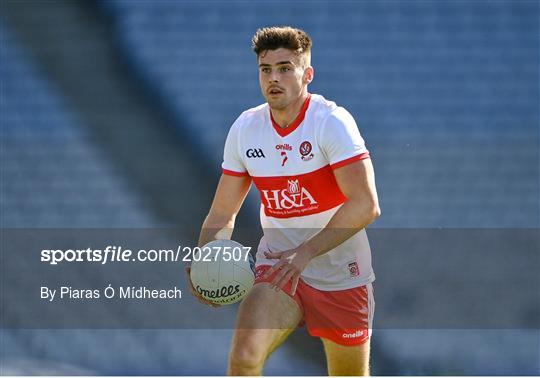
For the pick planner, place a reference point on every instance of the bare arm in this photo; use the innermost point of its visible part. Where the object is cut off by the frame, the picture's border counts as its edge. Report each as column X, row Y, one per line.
column 230, row 194
column 357, row 182
column 219, row 223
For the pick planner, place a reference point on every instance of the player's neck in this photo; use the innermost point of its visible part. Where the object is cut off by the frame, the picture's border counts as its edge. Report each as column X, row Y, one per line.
column 284, row 117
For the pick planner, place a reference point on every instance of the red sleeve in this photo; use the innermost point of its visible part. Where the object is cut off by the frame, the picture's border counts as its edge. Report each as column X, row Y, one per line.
column 234, row 173
column 350, row 160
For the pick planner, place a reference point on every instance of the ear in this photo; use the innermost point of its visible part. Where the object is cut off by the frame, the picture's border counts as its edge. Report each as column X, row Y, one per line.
column 309, row 73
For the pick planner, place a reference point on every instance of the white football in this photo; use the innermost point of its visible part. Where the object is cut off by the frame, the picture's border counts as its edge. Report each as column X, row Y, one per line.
column 222, row 271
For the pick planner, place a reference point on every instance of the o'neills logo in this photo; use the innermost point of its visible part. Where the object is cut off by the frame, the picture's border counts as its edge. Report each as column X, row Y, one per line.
column 294, row 196
column 286, row 147
column 224, row 291
column 355, row 335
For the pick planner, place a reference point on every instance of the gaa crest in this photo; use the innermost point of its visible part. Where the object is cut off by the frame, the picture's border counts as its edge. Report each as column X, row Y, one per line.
column 305, row 151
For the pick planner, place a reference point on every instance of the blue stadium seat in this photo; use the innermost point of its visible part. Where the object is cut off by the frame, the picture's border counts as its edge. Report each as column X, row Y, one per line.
column 444, row 92
column 53, row 174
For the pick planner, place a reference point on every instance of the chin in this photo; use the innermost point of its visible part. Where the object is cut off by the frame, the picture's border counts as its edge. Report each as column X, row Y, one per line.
column 277, row 105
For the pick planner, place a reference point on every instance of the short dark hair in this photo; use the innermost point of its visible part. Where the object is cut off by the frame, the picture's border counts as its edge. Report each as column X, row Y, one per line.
column 275, row 37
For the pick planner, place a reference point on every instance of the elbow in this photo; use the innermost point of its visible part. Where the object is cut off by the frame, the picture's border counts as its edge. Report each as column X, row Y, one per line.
column 369, row 214
column 375, row 212
column 366, row 212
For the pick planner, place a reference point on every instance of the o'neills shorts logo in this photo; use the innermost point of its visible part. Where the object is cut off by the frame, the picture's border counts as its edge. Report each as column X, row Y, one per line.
column 354, row 335
column 224, row 291
column 291, row 198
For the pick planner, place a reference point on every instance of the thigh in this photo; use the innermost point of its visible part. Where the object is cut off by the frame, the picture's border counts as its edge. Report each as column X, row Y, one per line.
column 347, row 360
column 265, row 319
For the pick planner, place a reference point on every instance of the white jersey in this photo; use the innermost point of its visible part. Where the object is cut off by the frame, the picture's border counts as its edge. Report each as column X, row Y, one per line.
column 293, row 170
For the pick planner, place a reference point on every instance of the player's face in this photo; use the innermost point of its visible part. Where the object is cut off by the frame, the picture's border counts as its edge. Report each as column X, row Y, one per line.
column 282, row 77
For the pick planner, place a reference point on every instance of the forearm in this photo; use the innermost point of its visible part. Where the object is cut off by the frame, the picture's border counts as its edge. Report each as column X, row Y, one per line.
column 219, row 223
column 215, row 227
column 351, row 217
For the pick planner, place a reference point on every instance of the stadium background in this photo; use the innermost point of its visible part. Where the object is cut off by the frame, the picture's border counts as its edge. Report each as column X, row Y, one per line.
column 114, row 114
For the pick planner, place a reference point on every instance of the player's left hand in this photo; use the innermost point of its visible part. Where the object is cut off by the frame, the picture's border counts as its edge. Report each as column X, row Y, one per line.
column 290, row 265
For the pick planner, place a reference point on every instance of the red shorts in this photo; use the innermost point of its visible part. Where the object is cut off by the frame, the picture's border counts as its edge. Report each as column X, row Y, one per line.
column 342, row 316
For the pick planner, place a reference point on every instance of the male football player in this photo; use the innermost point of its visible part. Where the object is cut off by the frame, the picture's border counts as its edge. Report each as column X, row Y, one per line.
column 306, row 157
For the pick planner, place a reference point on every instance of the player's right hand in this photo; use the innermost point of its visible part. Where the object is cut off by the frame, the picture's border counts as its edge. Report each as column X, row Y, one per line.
column 194, row 292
